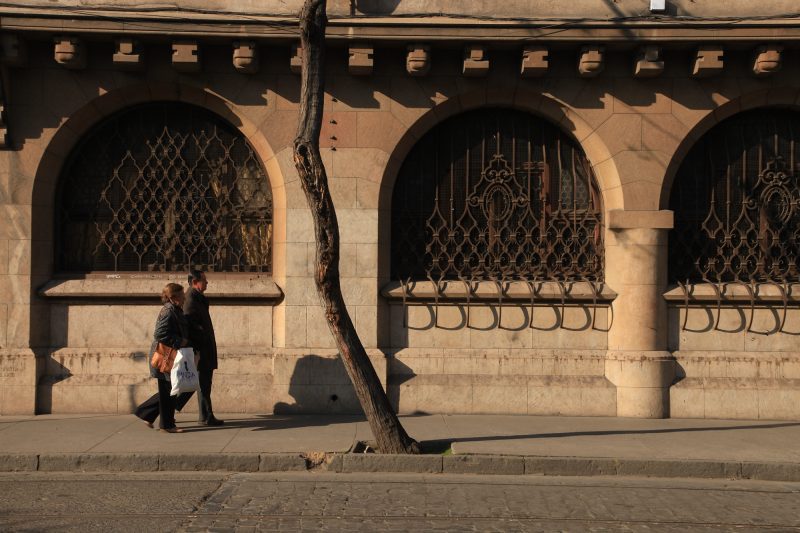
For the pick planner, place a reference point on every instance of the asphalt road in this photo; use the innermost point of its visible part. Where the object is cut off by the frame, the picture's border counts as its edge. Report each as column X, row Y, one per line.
column 386, row 502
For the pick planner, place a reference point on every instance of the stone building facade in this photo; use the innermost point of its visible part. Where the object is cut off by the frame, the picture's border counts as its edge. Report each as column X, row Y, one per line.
column 576, row 208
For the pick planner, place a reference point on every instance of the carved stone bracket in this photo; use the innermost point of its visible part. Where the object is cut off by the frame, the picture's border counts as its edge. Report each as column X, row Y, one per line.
column 591, row 61
column 245, row 57
column 476, row 61
column 767, row 60
column 418, row 59
column 186, row 56
column 70, row 52
column 649, row 62
column 296, row 60
column 128, row 54
column 361, row 59
column 708, row 61
column 534, row 61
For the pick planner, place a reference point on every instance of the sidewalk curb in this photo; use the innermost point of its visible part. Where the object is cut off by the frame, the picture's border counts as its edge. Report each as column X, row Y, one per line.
column 430, row 464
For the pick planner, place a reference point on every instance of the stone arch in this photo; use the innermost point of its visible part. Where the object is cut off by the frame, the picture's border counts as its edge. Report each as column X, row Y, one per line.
column 84, row 119
column 560, row 115
column 777, row 97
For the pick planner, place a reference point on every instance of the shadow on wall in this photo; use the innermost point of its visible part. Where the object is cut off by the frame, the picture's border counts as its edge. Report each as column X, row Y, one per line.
column 54, row 372
column 320, row 385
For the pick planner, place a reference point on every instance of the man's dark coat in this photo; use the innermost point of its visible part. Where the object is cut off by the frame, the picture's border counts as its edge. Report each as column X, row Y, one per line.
column 202, row 330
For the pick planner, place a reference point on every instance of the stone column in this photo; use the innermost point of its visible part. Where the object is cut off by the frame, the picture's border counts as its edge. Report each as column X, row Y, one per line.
column 638, row 362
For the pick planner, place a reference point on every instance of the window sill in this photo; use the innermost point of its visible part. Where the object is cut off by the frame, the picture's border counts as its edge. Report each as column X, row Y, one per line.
column 148, row 287
column 488, row 291
column 735, row 293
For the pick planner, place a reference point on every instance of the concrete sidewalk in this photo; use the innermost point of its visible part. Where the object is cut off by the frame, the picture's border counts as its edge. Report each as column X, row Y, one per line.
column 489, row 444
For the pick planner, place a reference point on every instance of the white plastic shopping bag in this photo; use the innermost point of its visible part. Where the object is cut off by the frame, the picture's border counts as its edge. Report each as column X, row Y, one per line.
column 184, row 376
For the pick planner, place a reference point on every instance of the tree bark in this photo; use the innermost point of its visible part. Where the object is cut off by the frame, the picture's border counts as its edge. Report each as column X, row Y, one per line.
column 388, row 432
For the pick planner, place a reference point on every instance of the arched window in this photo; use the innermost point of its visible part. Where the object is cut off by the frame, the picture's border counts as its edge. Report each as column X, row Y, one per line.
column 164, row 187
column 496, row 194
column 736, row 200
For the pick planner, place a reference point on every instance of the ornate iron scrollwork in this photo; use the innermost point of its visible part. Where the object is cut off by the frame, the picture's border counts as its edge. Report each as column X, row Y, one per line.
column 496, row 195
column 165, row 187
column 737, row 208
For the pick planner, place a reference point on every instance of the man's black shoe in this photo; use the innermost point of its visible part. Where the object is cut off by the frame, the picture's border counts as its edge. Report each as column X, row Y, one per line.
column 211, row 421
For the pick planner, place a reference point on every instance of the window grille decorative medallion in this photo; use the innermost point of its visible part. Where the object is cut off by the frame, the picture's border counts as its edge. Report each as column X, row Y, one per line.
column 736, row 200
column 164, row 187
column 496, row 196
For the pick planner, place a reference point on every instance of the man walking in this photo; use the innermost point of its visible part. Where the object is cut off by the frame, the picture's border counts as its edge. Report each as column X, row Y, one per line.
column 204, row 342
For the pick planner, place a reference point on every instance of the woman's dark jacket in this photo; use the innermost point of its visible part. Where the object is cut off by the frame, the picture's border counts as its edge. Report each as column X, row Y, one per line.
column 201, row 329
column 171, row 329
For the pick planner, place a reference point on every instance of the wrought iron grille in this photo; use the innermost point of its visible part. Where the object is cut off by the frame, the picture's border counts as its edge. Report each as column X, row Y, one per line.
column 164, row 187
column 736, row 200
column 496, row 194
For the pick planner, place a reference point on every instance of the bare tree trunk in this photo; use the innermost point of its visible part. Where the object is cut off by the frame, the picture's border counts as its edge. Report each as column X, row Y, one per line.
column 389, row 433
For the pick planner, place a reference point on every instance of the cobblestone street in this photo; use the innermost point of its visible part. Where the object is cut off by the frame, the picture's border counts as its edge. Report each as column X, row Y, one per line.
column 381, row 502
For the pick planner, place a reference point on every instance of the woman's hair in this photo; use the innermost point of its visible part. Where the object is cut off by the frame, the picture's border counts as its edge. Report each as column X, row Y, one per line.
column 169, row 292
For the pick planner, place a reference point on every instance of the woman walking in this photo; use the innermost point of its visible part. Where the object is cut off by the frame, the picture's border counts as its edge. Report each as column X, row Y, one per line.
column 172, row 330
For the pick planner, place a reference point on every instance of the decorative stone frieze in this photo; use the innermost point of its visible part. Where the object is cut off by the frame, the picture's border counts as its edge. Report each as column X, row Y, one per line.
column 535, row 61
column 70, row 52
column 708, row 61
column 767, row 60
column 186, row 56
column 296, row 60
column 128, row 55
column 476, row 61
column 360, row 61
column 591, row 61
column 649, row 62
column 245, row 57
column 418, row 59
column 13, row 51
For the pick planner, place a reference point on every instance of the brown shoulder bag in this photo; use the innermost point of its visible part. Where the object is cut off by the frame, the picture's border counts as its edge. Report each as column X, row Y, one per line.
column 163, row 358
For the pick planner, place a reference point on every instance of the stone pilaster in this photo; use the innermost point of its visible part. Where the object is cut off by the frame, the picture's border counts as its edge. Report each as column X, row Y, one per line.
column 636, row 268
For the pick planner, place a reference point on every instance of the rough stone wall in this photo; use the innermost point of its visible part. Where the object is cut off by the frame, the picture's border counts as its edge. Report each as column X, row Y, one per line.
column 281, row 357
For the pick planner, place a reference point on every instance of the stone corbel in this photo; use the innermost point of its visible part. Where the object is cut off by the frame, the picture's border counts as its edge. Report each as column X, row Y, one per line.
column 476, row 61
column 708, row 61
column 418, row 59
column 361, row 59
column 296, row 60
column 70, row 52
column 591, row 61
column 128, row 54
column 649, row 62
column 535, row 61
column 13, row 51
column 767, row 60
column 245, row 57
column 186, row 56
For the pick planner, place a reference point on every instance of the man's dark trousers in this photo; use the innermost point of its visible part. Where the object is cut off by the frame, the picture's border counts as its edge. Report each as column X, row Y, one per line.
column 204, row 394
column 205, row 342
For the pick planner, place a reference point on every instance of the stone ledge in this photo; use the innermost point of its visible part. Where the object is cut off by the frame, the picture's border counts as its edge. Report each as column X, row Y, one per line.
column 509, row 291
column 734, row 293
column 148, row 287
